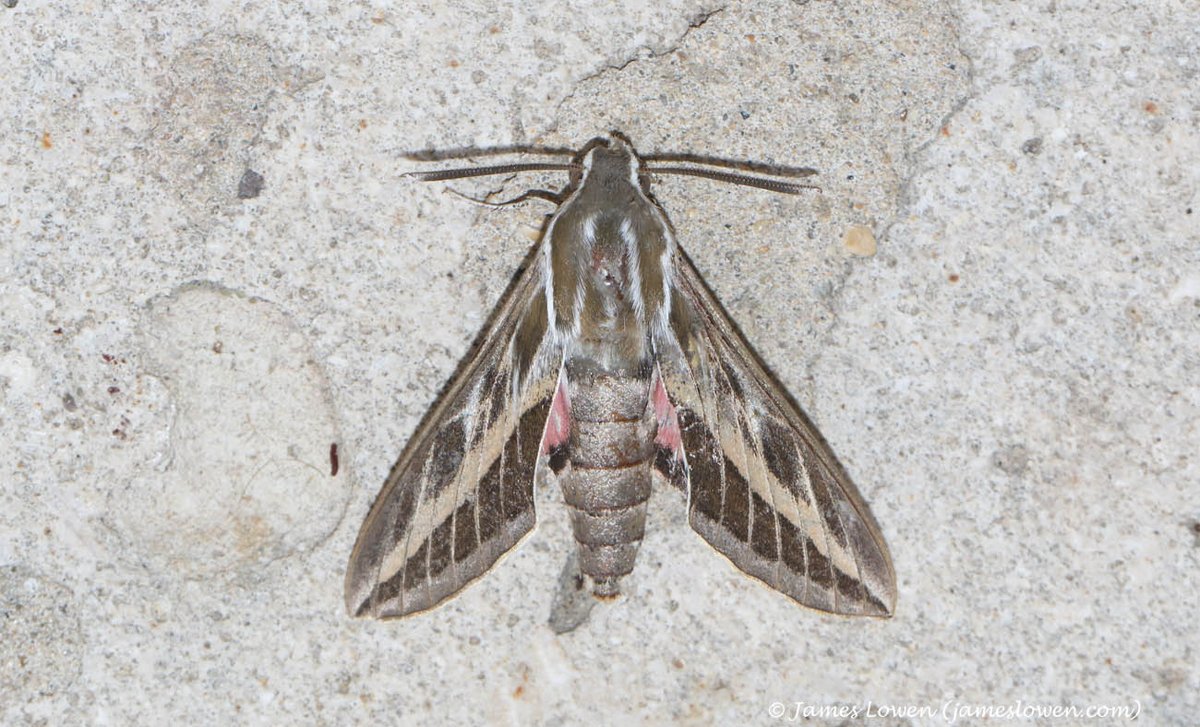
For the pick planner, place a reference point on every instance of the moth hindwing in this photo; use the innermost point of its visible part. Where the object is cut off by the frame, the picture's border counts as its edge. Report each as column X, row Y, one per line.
column 608, row 360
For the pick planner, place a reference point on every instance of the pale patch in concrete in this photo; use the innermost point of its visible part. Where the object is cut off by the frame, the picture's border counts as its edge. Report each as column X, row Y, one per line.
column 247, row 476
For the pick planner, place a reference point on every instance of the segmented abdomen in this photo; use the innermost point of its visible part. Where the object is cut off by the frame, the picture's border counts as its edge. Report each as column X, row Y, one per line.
column 608, row 483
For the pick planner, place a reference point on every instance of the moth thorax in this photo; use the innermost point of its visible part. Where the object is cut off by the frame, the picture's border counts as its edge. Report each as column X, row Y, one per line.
column 612, row 328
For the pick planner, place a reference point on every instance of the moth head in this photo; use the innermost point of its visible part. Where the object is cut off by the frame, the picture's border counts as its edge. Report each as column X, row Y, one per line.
column 608, row 161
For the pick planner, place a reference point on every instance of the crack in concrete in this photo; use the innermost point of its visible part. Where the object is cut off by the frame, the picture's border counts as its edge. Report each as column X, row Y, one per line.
column 643, row 53
column 904, row 198
column 904, row 195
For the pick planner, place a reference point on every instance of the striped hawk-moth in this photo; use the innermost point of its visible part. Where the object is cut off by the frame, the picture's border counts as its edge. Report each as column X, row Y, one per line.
column 608, row 361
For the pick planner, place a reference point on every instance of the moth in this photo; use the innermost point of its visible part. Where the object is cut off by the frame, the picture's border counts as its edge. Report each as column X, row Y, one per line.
column 610, row 360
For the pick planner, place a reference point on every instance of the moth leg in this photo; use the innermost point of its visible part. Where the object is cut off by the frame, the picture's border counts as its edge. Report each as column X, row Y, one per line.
column 524, row 197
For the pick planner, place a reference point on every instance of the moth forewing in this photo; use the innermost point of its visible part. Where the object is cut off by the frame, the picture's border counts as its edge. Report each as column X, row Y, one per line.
column 461, row 494
column 611, row 358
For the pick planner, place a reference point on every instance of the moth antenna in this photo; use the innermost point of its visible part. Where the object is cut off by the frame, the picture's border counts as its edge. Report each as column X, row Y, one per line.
column 470, row 152
column 738, row 165
column 745, row 180
column 443, row 175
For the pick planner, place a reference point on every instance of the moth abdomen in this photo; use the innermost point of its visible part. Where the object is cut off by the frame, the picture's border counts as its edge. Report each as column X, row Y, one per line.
column 601, row 445
column 606, row 564
column 608, row 483
column 612, row 526
column 598, row 396
column 597, row 489
column 608, row 519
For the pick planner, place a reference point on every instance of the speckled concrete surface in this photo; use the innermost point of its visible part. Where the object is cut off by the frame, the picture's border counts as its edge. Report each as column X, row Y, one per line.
column 211, row 271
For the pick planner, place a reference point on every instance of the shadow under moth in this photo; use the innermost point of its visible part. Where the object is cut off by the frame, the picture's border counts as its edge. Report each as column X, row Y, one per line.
column 609, row 360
